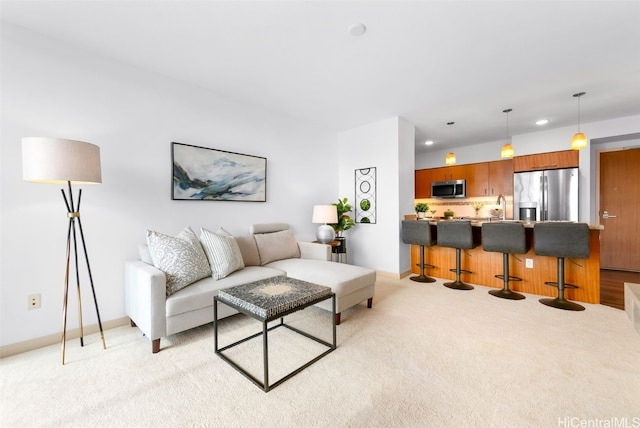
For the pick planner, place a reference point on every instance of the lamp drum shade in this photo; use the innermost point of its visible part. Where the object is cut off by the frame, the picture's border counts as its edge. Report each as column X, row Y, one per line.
column 57, row 161
column 325, row 214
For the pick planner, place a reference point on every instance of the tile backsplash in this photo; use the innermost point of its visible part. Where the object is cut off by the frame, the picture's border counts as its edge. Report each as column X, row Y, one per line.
column 464, row 207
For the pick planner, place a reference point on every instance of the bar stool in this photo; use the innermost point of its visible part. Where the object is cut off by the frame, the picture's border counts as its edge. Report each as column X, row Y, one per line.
column 458, row 235
column 505, row 238
column 418, row 232
column 561, row 240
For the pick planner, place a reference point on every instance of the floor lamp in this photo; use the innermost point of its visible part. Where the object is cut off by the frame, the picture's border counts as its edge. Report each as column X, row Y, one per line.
column 60, row 161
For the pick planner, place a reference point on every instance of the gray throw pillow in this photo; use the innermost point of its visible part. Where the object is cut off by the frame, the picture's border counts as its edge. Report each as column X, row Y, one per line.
column 181, row 258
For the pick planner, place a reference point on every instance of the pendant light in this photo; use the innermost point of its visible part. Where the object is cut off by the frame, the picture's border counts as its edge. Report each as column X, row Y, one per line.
column 450, row 159
column 507, row 149
column 579, row 140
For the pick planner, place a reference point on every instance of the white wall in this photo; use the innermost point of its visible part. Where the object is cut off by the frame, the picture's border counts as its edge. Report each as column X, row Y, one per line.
column 54, row 90
column 388, row 146
column 546, row 141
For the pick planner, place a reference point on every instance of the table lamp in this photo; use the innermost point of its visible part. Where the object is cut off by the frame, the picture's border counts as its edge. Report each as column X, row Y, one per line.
column 60, row 161
column 325, row 214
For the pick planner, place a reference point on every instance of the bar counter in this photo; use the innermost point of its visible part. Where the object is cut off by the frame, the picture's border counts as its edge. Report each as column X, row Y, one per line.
column 585, row 273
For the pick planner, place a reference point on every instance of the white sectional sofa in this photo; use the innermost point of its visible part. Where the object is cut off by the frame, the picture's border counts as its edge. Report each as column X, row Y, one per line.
column 269, row 250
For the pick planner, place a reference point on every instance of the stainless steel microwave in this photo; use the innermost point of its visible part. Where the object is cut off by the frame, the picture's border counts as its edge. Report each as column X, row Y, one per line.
column 449, row 189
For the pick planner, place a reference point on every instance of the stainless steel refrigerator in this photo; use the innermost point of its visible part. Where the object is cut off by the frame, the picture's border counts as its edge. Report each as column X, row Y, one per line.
column 546, row 195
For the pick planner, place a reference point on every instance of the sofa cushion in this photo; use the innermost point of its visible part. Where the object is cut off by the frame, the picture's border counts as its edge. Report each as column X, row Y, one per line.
column 181, row 258
column 342, row 278
column 276, row 246
column 249, row 250
column 200, row 295
column 222, row 251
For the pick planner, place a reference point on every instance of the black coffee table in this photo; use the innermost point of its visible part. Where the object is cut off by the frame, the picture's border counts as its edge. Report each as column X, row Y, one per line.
column 267, row 300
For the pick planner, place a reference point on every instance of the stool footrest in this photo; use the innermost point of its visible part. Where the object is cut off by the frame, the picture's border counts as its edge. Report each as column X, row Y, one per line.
column 555, row 284
column 427, row 266
column 511, row 278
column 461, row 271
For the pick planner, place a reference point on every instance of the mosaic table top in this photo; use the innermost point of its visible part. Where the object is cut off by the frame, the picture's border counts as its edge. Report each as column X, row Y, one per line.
column 271, row 297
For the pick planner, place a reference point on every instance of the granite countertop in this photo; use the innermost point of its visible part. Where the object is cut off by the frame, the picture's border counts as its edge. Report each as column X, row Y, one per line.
column 478, row 222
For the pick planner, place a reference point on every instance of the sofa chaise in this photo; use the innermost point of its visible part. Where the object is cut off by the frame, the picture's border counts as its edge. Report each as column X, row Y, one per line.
column 170, row 289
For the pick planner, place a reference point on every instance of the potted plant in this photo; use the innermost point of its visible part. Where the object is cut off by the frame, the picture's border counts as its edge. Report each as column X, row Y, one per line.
column 448, row 214
column 421, row 208
column 344, row 221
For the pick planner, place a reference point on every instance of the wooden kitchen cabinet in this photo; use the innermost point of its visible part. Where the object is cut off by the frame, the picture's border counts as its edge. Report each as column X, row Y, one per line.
column 423, row 183
column 477, row 175
column 490, row 178
column 551, row 160
column 501, row 177
column 448, row 173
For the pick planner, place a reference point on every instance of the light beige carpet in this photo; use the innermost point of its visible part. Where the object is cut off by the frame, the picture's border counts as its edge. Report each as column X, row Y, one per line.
column 424, row 356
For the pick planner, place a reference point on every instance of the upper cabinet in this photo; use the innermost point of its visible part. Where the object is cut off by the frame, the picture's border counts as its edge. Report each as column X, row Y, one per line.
column 490, row 178
column 423, row 183
column 501, row 177
column 477, row 175
column 483, row 179
column 552, row 160
column 447, row 173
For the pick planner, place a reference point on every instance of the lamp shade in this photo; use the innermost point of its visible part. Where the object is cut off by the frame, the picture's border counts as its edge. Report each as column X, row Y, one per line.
column 579, row 141
column 450, row 159
column 56, row 161
column 325, row 214
column 507, row 151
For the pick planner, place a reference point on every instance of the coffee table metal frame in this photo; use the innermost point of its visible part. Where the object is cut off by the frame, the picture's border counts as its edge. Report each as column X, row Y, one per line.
column 265, row 385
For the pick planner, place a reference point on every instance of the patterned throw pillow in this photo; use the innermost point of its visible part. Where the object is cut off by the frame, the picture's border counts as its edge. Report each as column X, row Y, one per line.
column 222, row 251
column 181, row 258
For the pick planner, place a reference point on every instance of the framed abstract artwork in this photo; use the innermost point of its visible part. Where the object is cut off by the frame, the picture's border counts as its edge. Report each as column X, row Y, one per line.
column 365, row 195
column 204, row 174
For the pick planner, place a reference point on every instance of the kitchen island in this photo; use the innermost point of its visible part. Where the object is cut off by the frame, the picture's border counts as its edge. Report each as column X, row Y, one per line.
column 585, row 273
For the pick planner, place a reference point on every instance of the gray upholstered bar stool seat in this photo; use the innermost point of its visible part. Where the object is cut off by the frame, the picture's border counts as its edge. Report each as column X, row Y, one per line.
column 418, row 232
column 458, row 235
column 561, row 240
column 505, row 238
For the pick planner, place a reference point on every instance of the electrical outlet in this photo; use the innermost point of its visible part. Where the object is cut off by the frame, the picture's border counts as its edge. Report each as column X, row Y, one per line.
column 528, row 263
column 34, row 301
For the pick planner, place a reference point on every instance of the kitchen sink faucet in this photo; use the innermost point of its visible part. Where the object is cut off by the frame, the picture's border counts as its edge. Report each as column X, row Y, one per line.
column 503, row 206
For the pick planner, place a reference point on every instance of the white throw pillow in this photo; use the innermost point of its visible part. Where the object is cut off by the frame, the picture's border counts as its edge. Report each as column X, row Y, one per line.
column 181, row 258
column 222, row 251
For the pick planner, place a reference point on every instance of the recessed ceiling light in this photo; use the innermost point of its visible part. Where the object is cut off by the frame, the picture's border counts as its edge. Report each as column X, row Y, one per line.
column 428, row 142
column 542, row 121
column 357, row 29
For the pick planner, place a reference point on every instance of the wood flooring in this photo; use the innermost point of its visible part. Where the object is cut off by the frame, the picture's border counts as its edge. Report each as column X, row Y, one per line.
column 612, row 286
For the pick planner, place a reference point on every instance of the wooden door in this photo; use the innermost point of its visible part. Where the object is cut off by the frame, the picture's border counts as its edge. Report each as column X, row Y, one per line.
column 620, row 198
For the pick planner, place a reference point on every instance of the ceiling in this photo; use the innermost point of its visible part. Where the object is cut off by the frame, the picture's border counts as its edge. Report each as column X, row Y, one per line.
column 430, row 62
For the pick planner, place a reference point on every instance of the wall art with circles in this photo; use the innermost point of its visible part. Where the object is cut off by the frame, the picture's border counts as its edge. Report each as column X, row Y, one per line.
column 365, row 207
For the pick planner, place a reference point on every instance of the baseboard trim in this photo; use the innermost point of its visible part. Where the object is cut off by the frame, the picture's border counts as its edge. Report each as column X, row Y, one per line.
column 393, row 275
column 39, row 342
